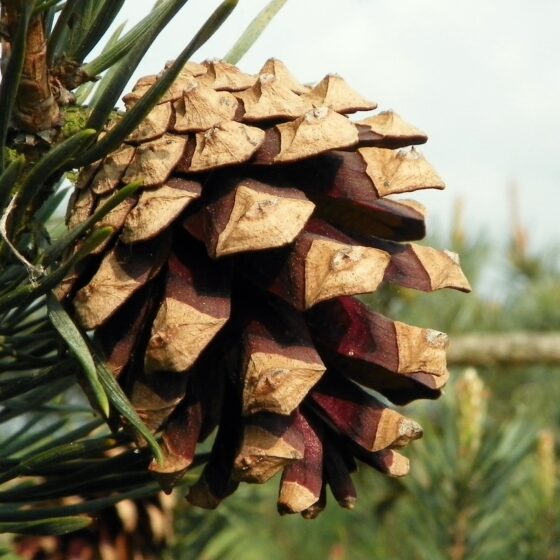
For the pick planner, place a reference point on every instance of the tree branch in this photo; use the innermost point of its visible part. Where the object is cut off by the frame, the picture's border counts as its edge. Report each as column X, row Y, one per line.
column 36, row 108
column 511, row 348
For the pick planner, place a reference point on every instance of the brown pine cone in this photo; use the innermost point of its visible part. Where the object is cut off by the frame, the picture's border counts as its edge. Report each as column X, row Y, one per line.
column 129, row 530
column 224, row 298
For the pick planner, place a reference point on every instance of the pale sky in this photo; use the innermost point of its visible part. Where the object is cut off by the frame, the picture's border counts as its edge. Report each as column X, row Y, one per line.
column 482, row 78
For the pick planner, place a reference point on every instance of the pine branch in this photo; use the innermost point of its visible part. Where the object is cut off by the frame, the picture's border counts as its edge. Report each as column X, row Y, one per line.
column 35, row 108
column 512, row 348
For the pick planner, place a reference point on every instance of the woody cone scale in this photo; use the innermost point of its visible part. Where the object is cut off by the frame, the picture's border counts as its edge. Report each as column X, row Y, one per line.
column 225, row 298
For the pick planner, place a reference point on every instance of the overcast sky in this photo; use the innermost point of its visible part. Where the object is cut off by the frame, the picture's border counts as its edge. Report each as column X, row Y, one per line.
column 482, row 78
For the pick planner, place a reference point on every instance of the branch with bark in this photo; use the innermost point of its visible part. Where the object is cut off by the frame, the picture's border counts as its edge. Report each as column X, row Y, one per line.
column 512, row 348
column 36, row 108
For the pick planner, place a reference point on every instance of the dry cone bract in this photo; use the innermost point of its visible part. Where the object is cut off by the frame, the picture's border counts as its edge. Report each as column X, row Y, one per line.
column 225, row 299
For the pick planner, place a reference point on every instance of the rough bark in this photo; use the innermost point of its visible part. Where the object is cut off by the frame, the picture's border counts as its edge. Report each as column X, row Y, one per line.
column 36, row 108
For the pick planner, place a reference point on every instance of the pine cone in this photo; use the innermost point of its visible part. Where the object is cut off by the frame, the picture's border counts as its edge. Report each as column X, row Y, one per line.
column 224, row 298
column 129, row 530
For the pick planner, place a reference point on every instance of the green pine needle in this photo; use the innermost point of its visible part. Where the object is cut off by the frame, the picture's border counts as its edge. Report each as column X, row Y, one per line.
column 124, row 407
column 9, row 178
column 53, row 526
column 133, row 117
column 78, row 346
column 11, row 77
column 139, row 37
column 254, row 31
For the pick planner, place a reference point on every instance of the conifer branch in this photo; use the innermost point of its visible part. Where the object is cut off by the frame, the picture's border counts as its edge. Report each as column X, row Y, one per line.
column 36, row 108
column 510, row 348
